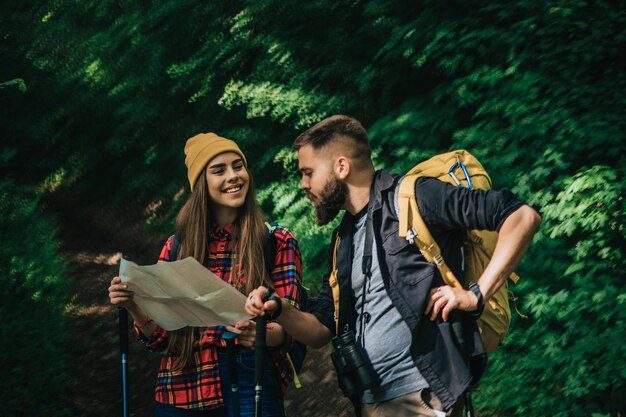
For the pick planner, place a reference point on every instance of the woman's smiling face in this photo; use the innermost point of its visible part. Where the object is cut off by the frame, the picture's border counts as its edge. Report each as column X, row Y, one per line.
column 228, row 182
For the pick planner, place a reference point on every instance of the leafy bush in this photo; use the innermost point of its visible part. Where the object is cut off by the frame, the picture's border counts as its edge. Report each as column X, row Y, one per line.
column 34, row 334
column 568, row 358
column 534, row 89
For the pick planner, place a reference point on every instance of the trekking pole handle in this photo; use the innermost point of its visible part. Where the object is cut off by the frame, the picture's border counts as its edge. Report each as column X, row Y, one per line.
column 123, row 330
column 259, row 346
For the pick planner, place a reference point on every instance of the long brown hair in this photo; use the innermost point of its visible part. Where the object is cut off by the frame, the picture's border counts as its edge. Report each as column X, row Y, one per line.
column 193, row 224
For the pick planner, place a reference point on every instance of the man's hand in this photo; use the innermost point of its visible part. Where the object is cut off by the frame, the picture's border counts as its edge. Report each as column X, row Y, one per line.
column 444, row 299
column 255, row 306
column 302, row 326
column 513, row 239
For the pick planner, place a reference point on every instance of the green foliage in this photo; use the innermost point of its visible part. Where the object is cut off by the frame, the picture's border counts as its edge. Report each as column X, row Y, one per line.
column 570, row 354
column 33, row 358
column 21, row 85
column 536, row 90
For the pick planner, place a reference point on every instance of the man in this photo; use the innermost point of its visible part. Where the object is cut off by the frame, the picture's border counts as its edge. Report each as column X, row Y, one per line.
column 399, row 309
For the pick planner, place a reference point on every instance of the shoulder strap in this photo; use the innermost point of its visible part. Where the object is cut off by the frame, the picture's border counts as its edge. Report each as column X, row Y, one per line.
column 334, row 283
column 174, row 249
column 414, row 229
column 269, row 246
column 405, row 195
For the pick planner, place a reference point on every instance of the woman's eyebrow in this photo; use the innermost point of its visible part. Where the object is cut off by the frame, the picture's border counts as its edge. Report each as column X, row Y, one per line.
column 217, row 165
column 223, row 164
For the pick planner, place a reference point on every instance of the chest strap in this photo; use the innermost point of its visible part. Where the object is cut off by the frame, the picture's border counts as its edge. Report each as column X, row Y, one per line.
column 334, row 284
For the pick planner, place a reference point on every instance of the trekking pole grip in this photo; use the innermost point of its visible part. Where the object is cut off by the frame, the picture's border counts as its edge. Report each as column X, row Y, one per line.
column 123, row 329
column 259, row 347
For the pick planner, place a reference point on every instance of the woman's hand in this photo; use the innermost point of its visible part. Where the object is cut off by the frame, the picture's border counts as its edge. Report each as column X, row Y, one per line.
column 120, row 295
column 246, row 331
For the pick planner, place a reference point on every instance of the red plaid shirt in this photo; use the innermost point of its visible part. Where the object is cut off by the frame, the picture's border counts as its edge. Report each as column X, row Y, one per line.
column 199, row 387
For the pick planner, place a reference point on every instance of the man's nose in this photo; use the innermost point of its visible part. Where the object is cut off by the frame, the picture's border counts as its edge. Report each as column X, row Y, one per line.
column 304, row 183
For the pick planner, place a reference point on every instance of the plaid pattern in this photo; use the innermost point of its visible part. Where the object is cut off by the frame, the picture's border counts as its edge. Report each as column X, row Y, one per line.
column 199, row 387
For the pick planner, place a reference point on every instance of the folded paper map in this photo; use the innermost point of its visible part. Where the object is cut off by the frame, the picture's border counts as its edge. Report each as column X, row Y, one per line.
column 183, row 293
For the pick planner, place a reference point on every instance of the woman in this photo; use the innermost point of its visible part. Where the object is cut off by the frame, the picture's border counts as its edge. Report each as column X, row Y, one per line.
column 222, row 227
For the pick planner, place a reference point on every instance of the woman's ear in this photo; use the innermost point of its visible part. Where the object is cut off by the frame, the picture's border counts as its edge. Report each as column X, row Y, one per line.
column 342, row 167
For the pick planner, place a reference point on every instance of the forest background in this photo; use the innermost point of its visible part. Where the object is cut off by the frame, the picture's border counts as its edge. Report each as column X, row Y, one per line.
column 98, row 98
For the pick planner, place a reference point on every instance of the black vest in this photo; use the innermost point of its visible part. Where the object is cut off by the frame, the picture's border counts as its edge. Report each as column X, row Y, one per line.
column 408, row 278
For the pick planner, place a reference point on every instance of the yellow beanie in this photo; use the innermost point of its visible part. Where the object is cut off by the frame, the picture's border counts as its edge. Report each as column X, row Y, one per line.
column 201, row 148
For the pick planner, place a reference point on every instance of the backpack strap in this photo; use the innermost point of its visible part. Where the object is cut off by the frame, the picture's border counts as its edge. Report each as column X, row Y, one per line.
column 174, row 249
column 414, row 229
column 334, row 283
column 269, row 247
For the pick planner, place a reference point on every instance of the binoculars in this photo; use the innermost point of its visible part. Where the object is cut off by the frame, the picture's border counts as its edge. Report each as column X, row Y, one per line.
column 355, row 373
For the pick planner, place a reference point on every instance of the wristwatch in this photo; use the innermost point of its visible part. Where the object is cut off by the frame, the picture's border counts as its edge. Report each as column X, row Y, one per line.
column 480, row 306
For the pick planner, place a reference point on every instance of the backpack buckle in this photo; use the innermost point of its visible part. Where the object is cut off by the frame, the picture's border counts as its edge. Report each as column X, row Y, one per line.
column 438, row 259
column 411, row 235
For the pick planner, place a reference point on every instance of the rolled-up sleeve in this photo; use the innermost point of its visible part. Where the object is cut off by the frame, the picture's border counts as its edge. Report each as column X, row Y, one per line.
column 451, row 207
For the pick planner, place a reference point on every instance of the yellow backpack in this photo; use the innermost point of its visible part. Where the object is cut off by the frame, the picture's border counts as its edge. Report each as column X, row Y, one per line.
column 462, row 169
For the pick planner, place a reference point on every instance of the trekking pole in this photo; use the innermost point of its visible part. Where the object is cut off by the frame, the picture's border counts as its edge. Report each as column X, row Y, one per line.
column 123, row 327
column 259, row 356
column 457, row 329
column 232, row 365
column 469, row 408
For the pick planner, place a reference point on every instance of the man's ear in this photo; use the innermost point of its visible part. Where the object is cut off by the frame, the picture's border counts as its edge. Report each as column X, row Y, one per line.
column 342, row 167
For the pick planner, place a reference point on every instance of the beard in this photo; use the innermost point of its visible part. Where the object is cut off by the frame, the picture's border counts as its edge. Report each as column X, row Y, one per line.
column 332, row 198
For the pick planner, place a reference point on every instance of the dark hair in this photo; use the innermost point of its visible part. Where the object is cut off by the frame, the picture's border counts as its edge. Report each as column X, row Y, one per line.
column 333, row 128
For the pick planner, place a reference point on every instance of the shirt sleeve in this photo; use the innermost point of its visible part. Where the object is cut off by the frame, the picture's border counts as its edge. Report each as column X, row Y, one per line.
column 451, row 207
column 164, row 256
column 286, row 273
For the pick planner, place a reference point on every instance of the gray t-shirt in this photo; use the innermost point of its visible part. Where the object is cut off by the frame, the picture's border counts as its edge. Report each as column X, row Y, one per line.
column 386, row 338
